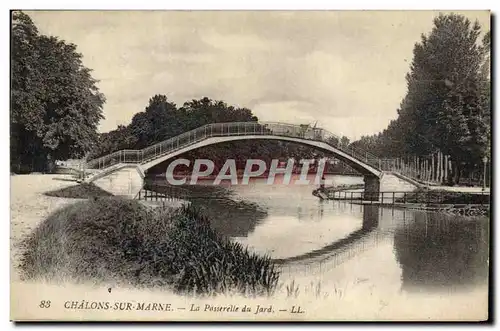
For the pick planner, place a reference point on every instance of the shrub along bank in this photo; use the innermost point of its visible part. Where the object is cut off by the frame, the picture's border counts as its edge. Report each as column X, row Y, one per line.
column 110, row 239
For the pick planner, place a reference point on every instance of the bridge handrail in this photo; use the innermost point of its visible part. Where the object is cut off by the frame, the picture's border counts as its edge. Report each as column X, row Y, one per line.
column 230, row 128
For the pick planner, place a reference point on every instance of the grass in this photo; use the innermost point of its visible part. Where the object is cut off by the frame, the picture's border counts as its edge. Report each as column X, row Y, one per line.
column 81, row 191
column 344, row 187
column 116, row 240
column 314, row 290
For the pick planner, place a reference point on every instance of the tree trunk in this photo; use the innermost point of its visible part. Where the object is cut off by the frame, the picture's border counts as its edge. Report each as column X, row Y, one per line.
column 443, row 177
column 449, row 172
column 438, row 170
column 456, row 172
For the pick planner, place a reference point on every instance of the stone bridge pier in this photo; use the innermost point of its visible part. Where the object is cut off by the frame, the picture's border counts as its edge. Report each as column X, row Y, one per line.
column 372, row 187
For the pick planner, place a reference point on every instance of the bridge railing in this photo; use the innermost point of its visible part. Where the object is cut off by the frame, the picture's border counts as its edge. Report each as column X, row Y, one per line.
column 417, row 197
column 230, row 129
column 163, row 193
column 360, row 154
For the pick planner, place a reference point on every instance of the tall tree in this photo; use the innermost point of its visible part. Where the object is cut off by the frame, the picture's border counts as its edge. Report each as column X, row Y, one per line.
column 485, row 79
column 344, row 142
column 160, row 120
column 205, row 110
column 444, row 93
column 26, row 111
column 447, row 105
column 56, row 105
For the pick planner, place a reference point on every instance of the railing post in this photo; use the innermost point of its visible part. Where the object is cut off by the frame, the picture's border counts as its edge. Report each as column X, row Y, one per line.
column 393, row 197
column 382, row 197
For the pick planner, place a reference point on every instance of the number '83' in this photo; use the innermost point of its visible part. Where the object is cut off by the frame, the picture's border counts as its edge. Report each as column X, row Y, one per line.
column 44, row 304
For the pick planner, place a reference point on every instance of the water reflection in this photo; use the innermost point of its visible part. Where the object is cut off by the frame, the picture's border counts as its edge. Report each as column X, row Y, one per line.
column 231, row 218
column 228, row 215
column 370, row 223
column 444, row 252
column 340, row 241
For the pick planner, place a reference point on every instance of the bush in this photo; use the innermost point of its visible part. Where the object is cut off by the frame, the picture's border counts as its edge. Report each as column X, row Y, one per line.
column 113, row 239
column 444, row 197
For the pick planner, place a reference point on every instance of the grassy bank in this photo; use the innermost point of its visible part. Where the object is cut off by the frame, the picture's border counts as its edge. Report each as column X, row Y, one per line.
column 80, row 191
column 345, row 187
column 110, row 239
column 423, row 195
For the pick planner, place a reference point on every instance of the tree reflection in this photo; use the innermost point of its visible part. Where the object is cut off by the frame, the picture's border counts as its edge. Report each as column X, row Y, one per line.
column 228, row 217
column 442, row 252
column 231, row 218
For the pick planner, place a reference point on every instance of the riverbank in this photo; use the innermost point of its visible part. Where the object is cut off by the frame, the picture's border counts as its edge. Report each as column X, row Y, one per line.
column 358, row 299
column 454, row 209
column 110, row 239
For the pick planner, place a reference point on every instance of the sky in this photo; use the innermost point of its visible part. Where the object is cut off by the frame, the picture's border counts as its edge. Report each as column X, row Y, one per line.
column 344, row 70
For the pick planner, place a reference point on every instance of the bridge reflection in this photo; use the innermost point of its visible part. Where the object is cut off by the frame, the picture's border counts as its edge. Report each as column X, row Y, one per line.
column 337, row 252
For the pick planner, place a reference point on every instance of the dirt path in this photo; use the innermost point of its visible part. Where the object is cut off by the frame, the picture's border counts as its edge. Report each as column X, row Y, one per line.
column 29, row 206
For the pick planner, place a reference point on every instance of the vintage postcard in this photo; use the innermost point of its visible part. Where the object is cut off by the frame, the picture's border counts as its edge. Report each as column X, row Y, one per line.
column 250, row 165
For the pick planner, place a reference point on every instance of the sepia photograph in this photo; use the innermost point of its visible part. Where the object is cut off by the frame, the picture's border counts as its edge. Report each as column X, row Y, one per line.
column 250, row 165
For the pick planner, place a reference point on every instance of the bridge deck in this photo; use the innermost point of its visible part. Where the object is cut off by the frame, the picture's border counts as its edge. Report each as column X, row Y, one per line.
column 362, row 160
column 302, row 134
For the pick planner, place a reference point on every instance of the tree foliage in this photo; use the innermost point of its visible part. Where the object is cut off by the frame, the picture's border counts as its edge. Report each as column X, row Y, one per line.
column 447, row 105
column 55, row 103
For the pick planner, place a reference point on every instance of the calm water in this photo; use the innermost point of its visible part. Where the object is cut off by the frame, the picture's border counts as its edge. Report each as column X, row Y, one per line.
column 411, row 251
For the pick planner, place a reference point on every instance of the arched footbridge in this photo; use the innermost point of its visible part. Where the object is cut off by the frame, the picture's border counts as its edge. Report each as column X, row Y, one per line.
column 122, row 172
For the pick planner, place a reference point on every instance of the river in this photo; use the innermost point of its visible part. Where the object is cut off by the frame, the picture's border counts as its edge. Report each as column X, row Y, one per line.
column 342, row 245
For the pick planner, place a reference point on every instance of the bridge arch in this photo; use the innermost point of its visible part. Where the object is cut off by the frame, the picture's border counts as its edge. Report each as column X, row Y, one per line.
column 123, row 171
column 358, row 165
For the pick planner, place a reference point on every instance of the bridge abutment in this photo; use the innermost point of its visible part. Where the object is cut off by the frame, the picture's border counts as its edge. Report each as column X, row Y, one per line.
column 372, row 188
column 125, row 182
